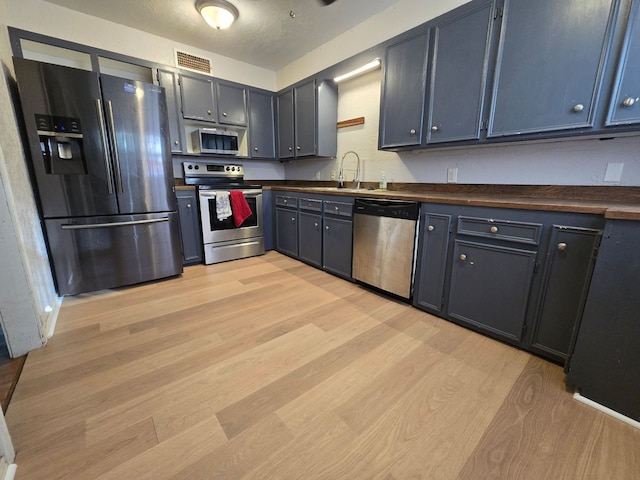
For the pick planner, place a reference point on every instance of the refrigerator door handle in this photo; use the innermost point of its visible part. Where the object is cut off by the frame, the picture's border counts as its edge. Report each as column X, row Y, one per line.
column 114, row 224
column 114, row 143
column 105, row 150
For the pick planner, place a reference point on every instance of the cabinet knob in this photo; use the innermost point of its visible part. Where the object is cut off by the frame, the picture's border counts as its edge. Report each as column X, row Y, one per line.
column 290, row 149
column 628, row 102
column 315, row 224
column 284, row 201
column 255, row 149
column 177, row 142
column 188, row 205
column 297, row 147
column 463, row 257
column 224, row 114
column 337, row 209
column 562, row 246
column 209, row 112
column 578, row 108
column 412, row 131
column 431, row 228
column 434, row 128
column 326, row 227
column 494, row 229
column 293, row 219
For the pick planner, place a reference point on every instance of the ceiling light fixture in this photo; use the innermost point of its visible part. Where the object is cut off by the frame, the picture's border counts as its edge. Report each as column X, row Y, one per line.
column 217, row 13
column 363, row 69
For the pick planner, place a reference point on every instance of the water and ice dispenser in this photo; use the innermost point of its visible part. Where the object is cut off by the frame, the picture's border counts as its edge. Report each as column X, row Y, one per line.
column 61, row 145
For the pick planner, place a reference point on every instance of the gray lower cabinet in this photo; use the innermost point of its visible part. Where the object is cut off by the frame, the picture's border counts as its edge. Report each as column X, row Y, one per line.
column 567, row 275
column 261, row 125
column 190, row 229
column 403, row 93
column 549, row 65
column 317, row 229
column 433, row 245
column 519, row 276
column 490, row 287
column 337, row 237
column 604, row 365
column 459, row 74
column 286, row 206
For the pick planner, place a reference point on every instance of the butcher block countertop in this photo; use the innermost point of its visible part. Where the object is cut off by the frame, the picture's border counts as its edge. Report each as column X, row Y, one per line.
column 613, row 202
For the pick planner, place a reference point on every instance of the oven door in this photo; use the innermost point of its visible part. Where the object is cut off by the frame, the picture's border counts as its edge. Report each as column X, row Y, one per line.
column 215, row 230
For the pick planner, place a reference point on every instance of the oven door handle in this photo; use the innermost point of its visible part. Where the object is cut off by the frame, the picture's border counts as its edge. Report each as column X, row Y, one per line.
column 247, row 193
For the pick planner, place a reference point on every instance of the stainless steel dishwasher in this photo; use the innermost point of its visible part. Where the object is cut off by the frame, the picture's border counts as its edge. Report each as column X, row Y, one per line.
column 384, row 233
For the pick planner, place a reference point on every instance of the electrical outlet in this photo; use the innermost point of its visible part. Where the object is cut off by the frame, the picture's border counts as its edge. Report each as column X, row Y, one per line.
column 613, row 172
column 452, row 175
column 317, row 175
column 333, row 174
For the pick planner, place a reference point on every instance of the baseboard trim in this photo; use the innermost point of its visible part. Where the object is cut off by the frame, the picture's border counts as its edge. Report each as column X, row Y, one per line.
column 606, row 410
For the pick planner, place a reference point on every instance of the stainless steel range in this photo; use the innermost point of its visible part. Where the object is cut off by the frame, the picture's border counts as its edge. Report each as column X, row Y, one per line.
column 222, row 239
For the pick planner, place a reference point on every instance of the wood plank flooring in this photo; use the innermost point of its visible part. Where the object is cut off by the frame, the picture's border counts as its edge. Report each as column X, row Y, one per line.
column 266, row 368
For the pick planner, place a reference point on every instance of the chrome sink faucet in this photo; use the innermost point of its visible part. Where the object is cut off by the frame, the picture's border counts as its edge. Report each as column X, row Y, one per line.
column 356, row 177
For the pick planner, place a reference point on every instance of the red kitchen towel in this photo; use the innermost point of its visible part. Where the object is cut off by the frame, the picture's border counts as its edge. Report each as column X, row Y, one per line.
column 239, row 207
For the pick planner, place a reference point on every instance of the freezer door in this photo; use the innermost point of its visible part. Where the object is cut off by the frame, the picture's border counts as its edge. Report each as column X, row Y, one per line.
column 67, row 141
column 89, row 254
column 136, row 114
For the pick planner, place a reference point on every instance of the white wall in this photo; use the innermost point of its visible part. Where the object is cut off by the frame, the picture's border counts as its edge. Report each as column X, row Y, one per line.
column 48, row 19
column 567, row 162
column 26, row 286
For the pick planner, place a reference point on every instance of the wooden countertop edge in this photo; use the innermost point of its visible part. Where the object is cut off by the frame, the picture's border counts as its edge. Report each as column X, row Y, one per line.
column 610, row 210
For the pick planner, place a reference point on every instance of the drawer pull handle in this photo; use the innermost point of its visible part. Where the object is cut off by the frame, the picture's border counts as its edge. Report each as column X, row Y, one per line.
column 494, row 229
column 431, row 228
column 562, row 246
column 463, row 257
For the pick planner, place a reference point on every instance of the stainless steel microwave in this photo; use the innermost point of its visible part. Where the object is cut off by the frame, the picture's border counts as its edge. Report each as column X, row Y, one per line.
column 215, row 140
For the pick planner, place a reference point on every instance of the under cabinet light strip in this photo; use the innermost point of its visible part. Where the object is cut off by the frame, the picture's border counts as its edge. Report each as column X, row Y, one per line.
column 365, row 68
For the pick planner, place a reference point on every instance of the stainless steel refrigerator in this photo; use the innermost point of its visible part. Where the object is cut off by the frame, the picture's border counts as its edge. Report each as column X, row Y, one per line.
column 101, row 166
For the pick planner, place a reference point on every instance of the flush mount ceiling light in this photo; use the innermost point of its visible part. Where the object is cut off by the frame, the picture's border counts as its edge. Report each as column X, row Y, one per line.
column 358, row 71
column 217, row 13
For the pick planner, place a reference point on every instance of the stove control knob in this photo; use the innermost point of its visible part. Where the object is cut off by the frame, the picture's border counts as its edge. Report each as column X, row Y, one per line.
column 190, row 167
column 197, row 167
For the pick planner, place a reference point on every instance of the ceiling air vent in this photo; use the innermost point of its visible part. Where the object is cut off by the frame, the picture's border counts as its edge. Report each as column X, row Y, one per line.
column 192, row 62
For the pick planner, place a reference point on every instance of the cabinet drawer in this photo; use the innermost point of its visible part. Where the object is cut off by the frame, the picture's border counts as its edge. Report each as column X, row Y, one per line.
column 520, row 232
column 338, row 208
column 312, row 204
column 286, row 201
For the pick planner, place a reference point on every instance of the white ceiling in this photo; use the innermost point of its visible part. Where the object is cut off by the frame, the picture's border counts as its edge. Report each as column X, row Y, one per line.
column 264, row 35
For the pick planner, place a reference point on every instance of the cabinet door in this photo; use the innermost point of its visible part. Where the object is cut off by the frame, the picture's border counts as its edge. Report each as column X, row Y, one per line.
column 310, row 238
column 232, row 104
column 404, row 91
column 197, row 99
column 490, row 287
column 549, row 65
column 287, row 231
column 169, row 82
column 625, row 103
column 337, row 242
column 285, row 125
column 261, row 125
column 190, row 234
column 458, row 76
column 305, row 119
column 432, row 261
column 567, row 277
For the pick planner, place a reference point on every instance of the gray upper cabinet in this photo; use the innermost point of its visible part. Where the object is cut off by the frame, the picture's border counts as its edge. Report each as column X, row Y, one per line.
column 625, row 102
column 403, row 93
column 261, row 125
column 286, row 140
column 232, row 104
column 458, row 75
column 168, row 80
column 549, row 65
column 307, row 118
column 198, row 101
column 305, row 114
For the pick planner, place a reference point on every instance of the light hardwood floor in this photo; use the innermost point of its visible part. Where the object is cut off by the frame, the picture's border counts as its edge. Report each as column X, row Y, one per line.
column 266, row 368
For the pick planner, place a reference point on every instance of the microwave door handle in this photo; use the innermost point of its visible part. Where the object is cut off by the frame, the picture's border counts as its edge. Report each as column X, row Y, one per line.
column 105, row 150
